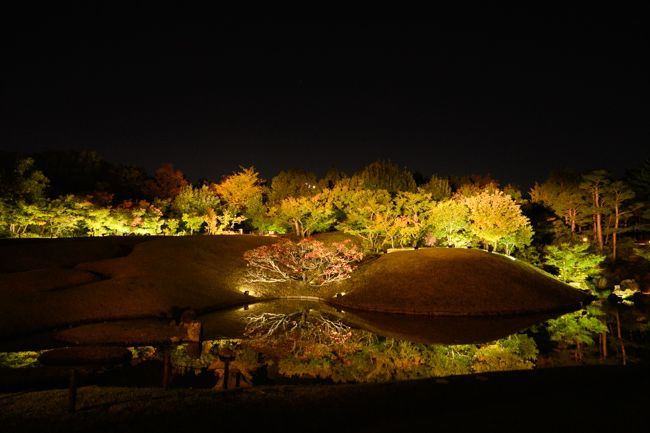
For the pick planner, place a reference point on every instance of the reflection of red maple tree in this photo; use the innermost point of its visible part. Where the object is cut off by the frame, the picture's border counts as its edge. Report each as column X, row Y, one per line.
column 296, row 331
column 309, row 261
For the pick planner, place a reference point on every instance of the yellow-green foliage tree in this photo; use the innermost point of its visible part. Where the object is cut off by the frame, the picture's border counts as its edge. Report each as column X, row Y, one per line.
column 64, row 216
column 241, row 191
column 449, row 222
column 495, row 217
column 575, row 262
column 196, row 206
column 412, row 213
column 307, row 215
column 368, row 214
column 130, row 218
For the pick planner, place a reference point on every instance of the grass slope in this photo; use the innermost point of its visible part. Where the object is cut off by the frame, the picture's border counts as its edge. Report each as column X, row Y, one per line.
column 46, row 284
column 455, row 281
column 158, row 276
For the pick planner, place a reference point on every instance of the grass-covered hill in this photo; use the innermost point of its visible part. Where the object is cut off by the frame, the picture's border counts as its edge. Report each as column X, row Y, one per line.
column 457, row 282
column 150, row 278
column 52, row 283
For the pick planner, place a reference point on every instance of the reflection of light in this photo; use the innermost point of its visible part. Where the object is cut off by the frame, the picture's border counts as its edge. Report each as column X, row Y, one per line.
column 338, row 295
column 512, row 258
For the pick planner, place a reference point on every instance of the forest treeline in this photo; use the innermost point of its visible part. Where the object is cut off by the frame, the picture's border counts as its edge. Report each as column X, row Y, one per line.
column 62, row 194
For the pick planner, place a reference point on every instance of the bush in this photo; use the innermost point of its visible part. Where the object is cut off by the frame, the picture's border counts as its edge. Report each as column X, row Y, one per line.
column 308, row 261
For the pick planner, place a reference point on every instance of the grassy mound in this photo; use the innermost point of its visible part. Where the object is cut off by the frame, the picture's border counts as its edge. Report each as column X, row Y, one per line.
column 159, row 276
column 17, row 255
column 47, row 284
column 462, row 282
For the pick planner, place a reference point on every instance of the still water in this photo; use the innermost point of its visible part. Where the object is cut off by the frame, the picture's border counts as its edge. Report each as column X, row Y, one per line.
column 296, row 341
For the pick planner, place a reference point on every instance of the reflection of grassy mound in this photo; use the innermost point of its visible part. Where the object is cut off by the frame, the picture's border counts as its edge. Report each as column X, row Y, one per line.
column 158, row 276
column 455, row 282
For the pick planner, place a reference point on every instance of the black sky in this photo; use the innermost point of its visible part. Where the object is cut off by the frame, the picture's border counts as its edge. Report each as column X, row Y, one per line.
column 512, row 93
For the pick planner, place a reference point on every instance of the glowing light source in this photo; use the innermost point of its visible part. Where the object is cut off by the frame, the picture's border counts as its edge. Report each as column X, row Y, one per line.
column 585, row 239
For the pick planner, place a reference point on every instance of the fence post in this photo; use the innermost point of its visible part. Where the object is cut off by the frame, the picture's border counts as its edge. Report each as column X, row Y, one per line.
column 72, row 391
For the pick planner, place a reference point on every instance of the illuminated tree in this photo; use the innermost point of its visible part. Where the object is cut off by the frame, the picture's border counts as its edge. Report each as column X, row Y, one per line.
column 308, row 261
column 466, row 186
column 241, row 191
column 20, row 181
column 520, row 238
column 562, row 193
column 412, row 213
column 331, row 178
column 449, row 221
column 64, row 216
column 369, row 215
column 192, row 222
column 495, row 217
column 4, row 218
column 167, row 182
column 196, row 206
column 195, row 201
column 145, row 219
column 219, row 223
column 575, row 263
column 21, row 217
column 292, row 183
column 616, row 195
column 130, row 218
column 594, row 184
column 307, row 215
column 385, row 175
column 438, row 187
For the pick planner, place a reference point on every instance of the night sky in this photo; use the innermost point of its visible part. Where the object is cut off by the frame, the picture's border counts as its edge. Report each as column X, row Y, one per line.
column 515, row 94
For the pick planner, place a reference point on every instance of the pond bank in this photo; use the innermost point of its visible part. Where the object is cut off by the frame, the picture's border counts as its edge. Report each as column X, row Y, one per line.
column 561, row 399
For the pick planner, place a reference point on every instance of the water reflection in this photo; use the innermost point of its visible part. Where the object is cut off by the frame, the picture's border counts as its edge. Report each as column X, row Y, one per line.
column 289, row 341
column 416, row 328
column 298, row 339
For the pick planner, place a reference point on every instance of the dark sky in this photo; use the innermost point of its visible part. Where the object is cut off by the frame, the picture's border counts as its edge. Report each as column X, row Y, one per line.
column 512, row 93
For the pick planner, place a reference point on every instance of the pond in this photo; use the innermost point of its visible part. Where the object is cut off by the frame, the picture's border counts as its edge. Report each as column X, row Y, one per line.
column 299, row 341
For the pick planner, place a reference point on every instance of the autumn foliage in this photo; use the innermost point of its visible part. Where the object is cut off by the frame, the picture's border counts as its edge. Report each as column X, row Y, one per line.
column 309, row 261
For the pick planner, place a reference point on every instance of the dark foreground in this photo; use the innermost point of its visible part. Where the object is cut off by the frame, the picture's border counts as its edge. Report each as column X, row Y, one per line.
column 549, row 400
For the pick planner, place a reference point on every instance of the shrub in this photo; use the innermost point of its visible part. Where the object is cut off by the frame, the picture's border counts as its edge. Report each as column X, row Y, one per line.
column 309, row 261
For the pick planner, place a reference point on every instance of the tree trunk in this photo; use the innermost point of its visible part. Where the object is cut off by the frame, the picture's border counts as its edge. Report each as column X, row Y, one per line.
column 598, row 221
column 620, row 337
column 297, row 228
column 617, row 217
